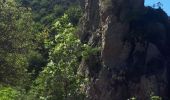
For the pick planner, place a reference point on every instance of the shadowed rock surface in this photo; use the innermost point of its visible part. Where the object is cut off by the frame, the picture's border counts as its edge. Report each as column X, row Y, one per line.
column 134, row 59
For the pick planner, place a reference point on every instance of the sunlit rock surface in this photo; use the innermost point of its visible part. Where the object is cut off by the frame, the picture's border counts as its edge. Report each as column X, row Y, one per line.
column 135, row 50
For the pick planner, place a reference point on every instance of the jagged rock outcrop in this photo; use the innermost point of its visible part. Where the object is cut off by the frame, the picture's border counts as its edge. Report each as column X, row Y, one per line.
column 134, row 60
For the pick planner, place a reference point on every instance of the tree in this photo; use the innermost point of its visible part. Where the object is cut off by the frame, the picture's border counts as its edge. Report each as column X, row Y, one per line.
column 59, row 80
column 46, row 11
column 15, row 42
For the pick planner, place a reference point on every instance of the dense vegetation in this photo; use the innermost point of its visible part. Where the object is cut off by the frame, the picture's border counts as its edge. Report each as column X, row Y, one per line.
column 40, row 52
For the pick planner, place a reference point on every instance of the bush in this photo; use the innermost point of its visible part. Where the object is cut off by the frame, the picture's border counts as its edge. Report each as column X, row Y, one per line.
column 9, row 93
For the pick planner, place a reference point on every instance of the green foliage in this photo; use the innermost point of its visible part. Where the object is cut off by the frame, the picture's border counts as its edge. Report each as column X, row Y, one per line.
column 74, row 13
column 15, row 42
column 59, row 80
column 156, row 98
column 8, row 93
column 36, row 62
column 43, row 65
column 46, row 11
column 152, row 97
column 89, row 50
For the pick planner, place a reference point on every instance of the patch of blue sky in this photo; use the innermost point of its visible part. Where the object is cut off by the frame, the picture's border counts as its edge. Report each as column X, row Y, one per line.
column 165, row 4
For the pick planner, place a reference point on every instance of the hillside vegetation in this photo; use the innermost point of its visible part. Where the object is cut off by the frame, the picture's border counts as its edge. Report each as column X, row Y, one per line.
column 77, row 50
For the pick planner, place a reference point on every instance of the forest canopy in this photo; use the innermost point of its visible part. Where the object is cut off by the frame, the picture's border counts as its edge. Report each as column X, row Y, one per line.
column 53, row 49
column 39, row 50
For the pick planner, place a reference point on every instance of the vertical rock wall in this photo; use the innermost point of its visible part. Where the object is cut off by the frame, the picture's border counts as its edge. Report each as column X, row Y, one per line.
column 135, row 49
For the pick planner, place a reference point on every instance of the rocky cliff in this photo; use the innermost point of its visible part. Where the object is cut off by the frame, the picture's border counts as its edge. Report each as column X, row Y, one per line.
column 134, row 60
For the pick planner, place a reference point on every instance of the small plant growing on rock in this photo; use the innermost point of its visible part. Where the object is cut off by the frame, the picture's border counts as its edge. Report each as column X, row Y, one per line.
column 156, row 98
column 133, row 98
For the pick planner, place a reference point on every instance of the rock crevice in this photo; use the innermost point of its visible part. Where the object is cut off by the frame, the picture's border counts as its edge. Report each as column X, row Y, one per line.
column 135, row 49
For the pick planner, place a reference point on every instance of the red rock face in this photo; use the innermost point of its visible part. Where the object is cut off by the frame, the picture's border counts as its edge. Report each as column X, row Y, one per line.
column 134, row 57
